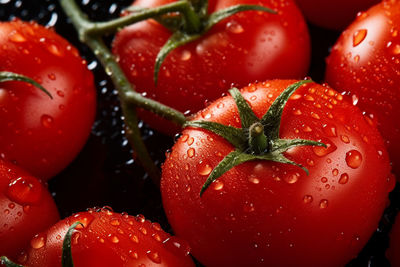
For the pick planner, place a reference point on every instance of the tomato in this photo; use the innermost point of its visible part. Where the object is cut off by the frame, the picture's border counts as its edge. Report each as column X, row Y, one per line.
column 40, row 134
column 394, row 247
column 26, row 207
column 333, row 14
column 245, row 47
column 108, row 239
column 365, row 65
column 266, row 213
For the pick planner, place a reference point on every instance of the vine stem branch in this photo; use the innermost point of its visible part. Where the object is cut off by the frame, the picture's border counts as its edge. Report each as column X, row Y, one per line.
column 90, row 33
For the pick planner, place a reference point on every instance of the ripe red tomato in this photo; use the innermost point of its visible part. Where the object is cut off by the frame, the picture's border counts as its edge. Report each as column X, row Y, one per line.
column 246, row 47
column 108, row 239
column 26, row 208
column 333, row 14
column 40, row 134
column 394, row 247
column 262, row 212
column 365, row 64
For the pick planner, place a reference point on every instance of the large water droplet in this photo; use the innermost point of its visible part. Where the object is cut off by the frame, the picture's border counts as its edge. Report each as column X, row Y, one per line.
column 307, row 199
column 322, row 151
column 217, row 185
column 38, row 241
column 16, row 37
column 323, row 204
column 191, row 152
column 203, row 168
column 24, row 190
column 234, row 27
column 47, row 121
column 359, row 36
column 353, row 159
column 292, row 178
column 154, row 256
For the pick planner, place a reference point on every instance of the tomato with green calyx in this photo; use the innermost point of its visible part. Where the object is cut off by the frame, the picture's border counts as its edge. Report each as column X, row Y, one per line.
column 333, row 14
column 105, row 238
column 41, row 134
column 26, row 208
column 247, row 46
column 365, row 65
column 258, row 205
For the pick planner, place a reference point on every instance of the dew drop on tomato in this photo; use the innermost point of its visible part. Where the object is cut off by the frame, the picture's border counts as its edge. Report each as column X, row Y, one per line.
column 203, row 168
column 322, row 151
column 344, row 178
column 24, row 190
column 292, row 178
column 133, row 254
column 323, row 204
column 134, row 238
column 307, row 199
column 254, row 180
column 113, row 238
column 191, row 152
column 177, row 245
column 47, row 121
column 38, row 241
column 353, row 159
column 359, row 36
column 115, row 222
column 16, row 37
column 154, row 256
column 217, row 185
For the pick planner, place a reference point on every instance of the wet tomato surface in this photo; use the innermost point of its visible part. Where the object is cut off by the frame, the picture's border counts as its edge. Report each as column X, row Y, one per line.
column 104, row 172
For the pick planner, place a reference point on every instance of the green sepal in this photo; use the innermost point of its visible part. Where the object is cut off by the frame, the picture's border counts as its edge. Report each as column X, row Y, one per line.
column 176, row 40
column 272, row 119
column 66, row 259
column 231, row 134
column 247, row 116
column 6, row 76
column 8, row 263
column 282, row 145
column 220, row 15
column 180, row 37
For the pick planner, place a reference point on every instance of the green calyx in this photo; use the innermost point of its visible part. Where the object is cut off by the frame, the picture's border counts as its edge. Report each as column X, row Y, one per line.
column 66, row 258
column 6, row 76
column 8, row 263
column 192, row 22
column 258, row 139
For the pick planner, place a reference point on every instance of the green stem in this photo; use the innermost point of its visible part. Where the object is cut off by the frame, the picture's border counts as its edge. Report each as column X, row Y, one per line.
column 258, row 142
column 128, row 97
column 184, row 7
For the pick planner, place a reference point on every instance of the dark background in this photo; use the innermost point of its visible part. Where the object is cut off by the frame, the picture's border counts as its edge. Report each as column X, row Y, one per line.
column 104, row 173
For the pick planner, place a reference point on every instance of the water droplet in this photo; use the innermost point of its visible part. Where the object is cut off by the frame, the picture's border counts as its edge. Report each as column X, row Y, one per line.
column 330, row 130
column 359, row 36
column 6, row 211
column 307, row 199
column 133, row 254
column 344, row 178
column 322, row 151
column 134, row 238
column 335, row 172
column 154, row 256
column 234, row 27
column 203, row 168
column 254, row 180
column 38, row 241
column 248, row 207
column 345, row 139
column 16, row 37
column 24, row 190
column 191, row 152
column 47, row 121
column 324, row 179
column 396, row 49
column 115, row 222
column 217, row 185
column 186, row 55
column 292, row 178
column 11, row 205
column 175, row 244
column 353, row 159
column 113, row 238
column 323, row 203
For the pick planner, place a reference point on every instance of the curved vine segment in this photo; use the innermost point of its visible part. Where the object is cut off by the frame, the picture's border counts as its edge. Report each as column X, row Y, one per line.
column 258, row 139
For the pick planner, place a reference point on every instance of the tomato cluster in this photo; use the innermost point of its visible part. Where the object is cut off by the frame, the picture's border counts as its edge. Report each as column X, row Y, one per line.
column 282, row 172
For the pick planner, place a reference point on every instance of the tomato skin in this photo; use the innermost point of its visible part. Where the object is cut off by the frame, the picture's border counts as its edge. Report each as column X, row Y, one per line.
column 108, row 239
column 333, row 14
column 25, row 211
column 365, row 63
column 40, row 134
column 246, row 47
column 270, row 213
